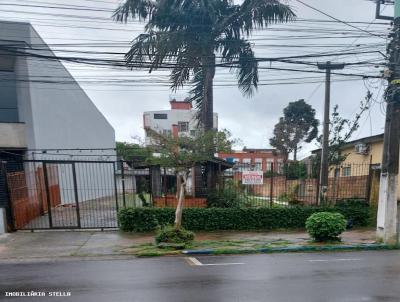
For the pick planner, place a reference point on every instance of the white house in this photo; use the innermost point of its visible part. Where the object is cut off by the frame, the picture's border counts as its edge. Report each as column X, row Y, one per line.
column 179, row 120
column 45, row 114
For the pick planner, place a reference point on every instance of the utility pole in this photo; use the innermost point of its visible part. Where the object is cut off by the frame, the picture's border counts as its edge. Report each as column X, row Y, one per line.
column 323, row 183
column 387, row 228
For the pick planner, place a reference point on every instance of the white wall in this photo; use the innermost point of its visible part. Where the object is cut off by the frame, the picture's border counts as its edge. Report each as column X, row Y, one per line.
column 58, row 115
column 174, row 116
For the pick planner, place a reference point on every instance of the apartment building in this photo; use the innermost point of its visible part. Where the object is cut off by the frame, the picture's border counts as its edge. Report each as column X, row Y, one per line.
column 179, row 120
column 254, row 159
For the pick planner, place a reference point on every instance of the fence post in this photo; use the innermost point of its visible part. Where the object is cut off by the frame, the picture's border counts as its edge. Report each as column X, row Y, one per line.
column 317, row 189
column 123, row 183
column 47, row 190
column 115, row 187
column 76, row 195
column 9, row 208
column 369, row 182
column 165, row 187
column 271, row 187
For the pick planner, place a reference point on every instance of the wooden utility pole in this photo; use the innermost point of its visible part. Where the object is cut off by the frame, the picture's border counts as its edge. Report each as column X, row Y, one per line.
column 387, row 228
column 324, row 172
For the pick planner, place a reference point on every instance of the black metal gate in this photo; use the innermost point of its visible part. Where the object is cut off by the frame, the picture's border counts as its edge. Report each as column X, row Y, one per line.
column 51, row 194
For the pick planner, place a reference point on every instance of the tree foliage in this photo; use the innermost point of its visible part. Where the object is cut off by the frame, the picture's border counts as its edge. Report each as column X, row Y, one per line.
column 341, row 129
column 193, row 37
column 183, row 152
column 133, row 153
column 297, row 125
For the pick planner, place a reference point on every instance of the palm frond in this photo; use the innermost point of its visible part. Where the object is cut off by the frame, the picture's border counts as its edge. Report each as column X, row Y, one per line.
column 197, row 93
column 141, row 9
column 154, row 50
column 255, row 14
column 238, row 54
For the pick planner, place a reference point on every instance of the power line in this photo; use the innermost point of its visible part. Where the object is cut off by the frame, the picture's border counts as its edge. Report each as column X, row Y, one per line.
column 338, row 20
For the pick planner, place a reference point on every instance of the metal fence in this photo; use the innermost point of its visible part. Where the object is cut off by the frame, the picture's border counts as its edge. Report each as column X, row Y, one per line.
column 45, row 194
column 296, row 184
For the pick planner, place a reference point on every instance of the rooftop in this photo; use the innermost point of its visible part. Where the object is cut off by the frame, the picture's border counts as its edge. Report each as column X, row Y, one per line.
column 366, row 140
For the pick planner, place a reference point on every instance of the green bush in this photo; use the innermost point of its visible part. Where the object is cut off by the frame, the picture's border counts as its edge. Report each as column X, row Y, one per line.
column 226, row 198
column 209, row 219
column 137, row 220
column 356, row 210
column 325, row 226
column 295, row 170
column 169, row 234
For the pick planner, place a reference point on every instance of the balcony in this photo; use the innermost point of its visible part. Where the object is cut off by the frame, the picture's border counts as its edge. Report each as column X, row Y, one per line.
column 13, row 135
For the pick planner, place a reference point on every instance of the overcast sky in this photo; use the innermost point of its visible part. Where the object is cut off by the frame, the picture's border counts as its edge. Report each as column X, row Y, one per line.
column 250, row 119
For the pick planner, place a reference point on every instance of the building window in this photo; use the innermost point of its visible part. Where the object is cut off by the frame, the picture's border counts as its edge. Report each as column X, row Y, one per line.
column 160, row 116
column 346, row 171
column 183, row 126
column 246, row 164
column 269, row 163
column 167, row 132
column 258, row 164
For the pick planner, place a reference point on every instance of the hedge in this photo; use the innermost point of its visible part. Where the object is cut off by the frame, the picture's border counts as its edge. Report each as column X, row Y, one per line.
column 210, row 219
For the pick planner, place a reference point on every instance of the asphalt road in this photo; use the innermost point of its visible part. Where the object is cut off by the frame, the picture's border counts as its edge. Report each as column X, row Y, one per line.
column 361, row 276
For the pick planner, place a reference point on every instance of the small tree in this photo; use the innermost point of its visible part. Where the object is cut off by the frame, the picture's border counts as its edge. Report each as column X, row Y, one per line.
column 134, row 153
column 340, row 131
column 183, row 153
column 297, row 125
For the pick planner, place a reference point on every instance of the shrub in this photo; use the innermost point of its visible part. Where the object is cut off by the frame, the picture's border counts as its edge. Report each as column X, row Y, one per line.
column 356, row 210
column 295, row 170
column 226, row 198
column 169, row 234
column 325, row 226
column 209, row 219
column 137, row 220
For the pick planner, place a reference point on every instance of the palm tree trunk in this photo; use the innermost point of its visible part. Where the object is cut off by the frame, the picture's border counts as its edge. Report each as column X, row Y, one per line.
column 208, row 102
column 295, row 154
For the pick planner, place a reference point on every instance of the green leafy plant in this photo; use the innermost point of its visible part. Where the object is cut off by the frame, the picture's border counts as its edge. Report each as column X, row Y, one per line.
column 356, row 210
column 326, row 226
column 137, row 220
column 183, row 153
column 210, row 219
column 224, row 198
column 297, row 125
column 169, row 234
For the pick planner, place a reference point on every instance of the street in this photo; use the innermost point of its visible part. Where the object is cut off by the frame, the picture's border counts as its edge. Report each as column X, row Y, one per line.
column 358, row 276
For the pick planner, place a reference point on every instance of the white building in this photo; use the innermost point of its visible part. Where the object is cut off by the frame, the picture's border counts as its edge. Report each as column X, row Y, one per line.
column 45, row 114
column 179, row 120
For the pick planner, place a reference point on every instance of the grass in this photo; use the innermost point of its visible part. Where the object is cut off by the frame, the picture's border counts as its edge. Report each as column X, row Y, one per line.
column 219, row 246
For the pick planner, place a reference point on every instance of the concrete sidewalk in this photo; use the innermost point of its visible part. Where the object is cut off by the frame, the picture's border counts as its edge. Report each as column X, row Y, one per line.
column 56, row 244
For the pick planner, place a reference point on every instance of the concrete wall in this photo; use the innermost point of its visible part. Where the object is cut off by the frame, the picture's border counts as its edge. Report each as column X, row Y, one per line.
column 12, row 135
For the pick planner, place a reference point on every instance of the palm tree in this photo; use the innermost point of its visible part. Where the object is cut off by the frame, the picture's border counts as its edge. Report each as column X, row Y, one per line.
column 193, row 37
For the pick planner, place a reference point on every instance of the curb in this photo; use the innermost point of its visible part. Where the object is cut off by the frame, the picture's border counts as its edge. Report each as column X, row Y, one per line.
column 295, row 248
